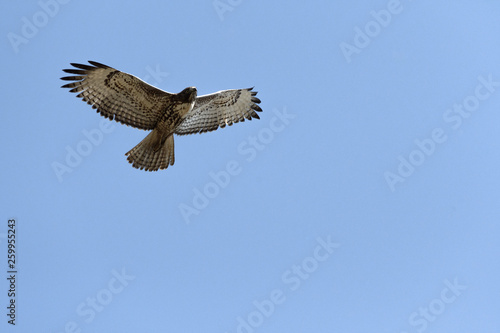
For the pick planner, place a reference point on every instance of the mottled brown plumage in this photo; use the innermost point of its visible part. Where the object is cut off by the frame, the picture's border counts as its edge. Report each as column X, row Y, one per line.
column 129, row 100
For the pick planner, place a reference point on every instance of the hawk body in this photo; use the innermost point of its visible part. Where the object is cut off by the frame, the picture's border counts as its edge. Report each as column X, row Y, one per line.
column 129, row 100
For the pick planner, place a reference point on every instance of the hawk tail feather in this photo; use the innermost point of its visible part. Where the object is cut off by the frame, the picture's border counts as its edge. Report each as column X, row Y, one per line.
column 151, row 154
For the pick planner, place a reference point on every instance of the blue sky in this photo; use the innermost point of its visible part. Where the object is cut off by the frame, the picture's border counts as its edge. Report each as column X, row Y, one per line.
column 365, row 199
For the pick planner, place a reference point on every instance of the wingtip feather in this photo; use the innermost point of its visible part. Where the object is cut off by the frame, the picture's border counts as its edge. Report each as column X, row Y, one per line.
column 256, row 108
column 98, row 64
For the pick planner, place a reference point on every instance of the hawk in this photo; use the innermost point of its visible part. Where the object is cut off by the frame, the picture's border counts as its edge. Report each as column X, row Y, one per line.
column 131, row 101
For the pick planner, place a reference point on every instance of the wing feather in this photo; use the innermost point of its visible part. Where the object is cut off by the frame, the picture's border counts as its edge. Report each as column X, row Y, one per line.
column 117, row 95
column 220, row 109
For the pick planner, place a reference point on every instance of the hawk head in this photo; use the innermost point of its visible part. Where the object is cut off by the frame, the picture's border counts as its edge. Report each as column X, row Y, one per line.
column 188, row 95
column 185, row 100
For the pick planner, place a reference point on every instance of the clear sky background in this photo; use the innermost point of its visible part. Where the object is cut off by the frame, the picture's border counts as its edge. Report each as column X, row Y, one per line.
column 365, row 199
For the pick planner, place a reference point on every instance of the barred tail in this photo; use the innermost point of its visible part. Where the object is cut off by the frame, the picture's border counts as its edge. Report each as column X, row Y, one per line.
column 151, row 154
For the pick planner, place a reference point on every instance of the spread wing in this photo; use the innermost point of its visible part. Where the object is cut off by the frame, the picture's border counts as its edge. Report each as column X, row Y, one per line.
column 220, row 109
column 118, row 96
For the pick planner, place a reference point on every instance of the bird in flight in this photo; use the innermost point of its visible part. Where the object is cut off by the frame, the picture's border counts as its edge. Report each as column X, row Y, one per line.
column 131, row 101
